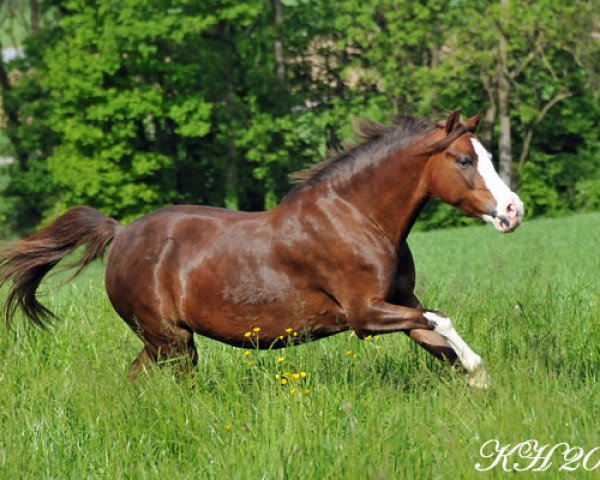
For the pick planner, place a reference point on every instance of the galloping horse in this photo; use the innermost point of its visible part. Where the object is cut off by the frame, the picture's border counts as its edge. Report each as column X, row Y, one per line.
column 331, row 256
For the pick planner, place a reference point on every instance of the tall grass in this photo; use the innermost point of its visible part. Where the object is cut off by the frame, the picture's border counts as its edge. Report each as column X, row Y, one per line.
column 527, row 302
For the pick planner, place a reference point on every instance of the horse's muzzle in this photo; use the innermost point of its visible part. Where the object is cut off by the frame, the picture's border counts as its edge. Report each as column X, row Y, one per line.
column 507, row 216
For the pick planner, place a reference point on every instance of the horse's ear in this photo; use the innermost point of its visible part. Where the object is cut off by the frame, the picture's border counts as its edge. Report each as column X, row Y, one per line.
column 473, row 122
column 452, row 121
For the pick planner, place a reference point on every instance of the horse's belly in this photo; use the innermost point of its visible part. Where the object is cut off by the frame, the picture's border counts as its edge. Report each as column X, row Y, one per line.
column 242, row 314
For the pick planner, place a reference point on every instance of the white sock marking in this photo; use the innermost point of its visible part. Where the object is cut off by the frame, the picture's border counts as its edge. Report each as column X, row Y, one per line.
column 469, row 359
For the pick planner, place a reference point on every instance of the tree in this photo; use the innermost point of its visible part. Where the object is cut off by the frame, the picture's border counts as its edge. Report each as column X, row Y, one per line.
column 525, row 54
column 31, row 190
column 132, row 105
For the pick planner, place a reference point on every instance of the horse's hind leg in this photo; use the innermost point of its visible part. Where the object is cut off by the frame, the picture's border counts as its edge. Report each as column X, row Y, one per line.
column 168, row 343
column 141, row 362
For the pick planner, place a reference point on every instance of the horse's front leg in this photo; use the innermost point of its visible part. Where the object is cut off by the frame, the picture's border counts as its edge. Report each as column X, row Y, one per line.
column 383, row 317
column 477, row 375
column 428, row 339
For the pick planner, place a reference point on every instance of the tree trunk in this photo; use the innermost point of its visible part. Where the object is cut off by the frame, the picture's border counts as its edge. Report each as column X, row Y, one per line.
column 279, row 59
column 11, row 111
column 489, row 118
column 504, row 141
column 487, row 129
column 531, row 128
column 268, row 183
column 35, row 16
column 232, row 198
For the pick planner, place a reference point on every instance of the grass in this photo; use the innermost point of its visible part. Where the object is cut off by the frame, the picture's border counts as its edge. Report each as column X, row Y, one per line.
column 527, row 302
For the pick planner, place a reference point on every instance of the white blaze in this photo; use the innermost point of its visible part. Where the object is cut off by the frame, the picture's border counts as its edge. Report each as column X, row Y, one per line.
column 504, row 197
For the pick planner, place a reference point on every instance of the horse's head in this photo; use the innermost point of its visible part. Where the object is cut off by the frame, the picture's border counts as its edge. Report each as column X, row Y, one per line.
column 461, row 173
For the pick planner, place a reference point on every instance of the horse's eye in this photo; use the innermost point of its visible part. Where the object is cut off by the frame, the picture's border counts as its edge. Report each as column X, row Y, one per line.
column 464, row 162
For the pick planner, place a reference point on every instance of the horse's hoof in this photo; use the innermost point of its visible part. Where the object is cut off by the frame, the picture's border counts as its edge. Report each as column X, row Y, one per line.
column 479, row 379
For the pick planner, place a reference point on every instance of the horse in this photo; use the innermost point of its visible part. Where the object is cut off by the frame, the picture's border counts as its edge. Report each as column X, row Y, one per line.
column 332, row 256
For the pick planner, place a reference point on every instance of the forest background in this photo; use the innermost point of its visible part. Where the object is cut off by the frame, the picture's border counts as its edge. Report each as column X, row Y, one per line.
column 130, row 105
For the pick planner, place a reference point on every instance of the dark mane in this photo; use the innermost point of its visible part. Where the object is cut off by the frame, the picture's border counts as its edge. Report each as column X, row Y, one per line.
column 376, row 136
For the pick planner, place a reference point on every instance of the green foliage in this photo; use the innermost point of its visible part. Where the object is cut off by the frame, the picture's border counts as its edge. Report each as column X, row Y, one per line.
column 128, row 99
column 538, row 178
column 31, row 189
column 588, row 194
column 131, row 105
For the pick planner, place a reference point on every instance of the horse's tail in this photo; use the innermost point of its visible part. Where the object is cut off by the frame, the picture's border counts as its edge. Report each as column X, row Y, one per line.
column 26, row 262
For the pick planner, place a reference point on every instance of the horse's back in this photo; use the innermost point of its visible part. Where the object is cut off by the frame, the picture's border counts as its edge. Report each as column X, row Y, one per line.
column 182, row 222
column 153, row 256
column 199, row 212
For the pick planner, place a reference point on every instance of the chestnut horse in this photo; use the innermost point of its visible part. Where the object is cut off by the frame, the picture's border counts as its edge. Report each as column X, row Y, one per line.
column 331, row 256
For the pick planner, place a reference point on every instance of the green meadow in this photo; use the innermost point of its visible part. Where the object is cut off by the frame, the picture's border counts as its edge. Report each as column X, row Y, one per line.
column 528, row 303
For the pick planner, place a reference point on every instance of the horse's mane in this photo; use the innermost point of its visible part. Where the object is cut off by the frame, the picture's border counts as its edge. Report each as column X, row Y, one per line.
column 403, row 131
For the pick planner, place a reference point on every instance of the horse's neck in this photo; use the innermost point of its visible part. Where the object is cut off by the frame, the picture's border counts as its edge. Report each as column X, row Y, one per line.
column 392, row 194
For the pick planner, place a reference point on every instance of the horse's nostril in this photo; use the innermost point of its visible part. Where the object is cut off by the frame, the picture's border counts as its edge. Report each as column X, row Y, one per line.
column 511, row 210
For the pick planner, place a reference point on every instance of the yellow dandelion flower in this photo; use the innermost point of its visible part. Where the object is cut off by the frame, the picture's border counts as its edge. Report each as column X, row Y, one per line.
column 247, row 352
column 348, row 352
column 283, row 381
column 277, row 377
column 281, row 360
column 295, row 376
column 295, row 334
column 293, row 390
column 303, row 374
column 280, row 337
column 377, row 337
column 368, row 338
column 247, row 334
column 228, row 426
column 256, row 329
column 289, row 330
